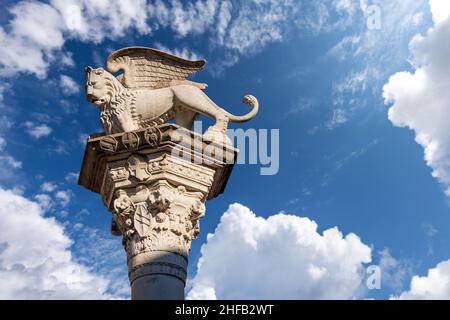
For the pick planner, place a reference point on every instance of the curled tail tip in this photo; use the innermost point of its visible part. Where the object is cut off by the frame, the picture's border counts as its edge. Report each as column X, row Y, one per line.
column 249, row 99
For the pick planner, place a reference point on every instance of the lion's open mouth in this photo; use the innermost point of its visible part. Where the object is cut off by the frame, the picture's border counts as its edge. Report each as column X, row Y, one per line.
column 98, row 101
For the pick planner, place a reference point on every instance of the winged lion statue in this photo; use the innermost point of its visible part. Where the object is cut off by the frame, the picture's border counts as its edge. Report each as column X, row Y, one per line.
column 153, row 89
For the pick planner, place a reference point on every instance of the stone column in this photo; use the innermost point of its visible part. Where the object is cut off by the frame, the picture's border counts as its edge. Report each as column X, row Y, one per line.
column 155, row 183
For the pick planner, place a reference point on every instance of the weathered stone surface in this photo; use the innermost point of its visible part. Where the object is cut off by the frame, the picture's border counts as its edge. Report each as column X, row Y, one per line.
column 153, row 90
column 155, row 177
column 155, row 182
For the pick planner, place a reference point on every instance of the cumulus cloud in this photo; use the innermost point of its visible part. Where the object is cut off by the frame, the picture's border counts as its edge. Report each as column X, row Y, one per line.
column 37, row 130
column 68, row 85
column 421, row 99
column 440, row 9
column 434, row 286
column 283, row 256
column 35, row 257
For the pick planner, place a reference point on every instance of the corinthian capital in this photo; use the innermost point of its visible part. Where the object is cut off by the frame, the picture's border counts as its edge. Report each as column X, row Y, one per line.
column 156, row 198
column 157, row 211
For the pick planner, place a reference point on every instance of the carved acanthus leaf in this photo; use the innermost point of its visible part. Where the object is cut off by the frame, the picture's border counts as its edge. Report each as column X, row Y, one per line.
column 146, row 214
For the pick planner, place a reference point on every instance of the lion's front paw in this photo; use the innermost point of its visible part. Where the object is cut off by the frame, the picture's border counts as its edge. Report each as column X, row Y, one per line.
column 217, row 136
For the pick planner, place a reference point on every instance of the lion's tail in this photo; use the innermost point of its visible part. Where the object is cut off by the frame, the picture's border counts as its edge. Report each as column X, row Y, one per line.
column 251, row 101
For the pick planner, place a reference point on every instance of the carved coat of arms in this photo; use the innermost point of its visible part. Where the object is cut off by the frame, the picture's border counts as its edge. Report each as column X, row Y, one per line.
column 153, row 89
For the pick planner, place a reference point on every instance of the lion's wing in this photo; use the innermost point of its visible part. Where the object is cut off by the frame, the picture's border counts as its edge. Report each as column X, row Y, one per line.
column 149, row 68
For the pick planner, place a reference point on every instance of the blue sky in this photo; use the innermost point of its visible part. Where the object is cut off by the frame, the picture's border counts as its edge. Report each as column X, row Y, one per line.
column 359, row 150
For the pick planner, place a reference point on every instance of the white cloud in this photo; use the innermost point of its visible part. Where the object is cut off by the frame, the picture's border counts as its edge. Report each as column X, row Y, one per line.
column 68, row 85
column 104, row 253
column 160, row 11
column 5, row 123
column 10, row 162
column 37, row 22
column 180, row 52
column 223, row 20
column 338, row 118
column 279, row 257
column 67, row 60
column 380, row 31
column 327, row 15
column 63, row 213
column 35, row 260
column 37, row 131
column 355, row 154
column 344, row 94
column 393, row 271
column 429, row 229
column 45, row 201
column 92, row 20
column 421, row 99
column 346, row 44
column 3, row 88
column 10, row 165
column 60, row 198
column 398, row 19
column 371, row 48
column 187, row 18
column 48, row 186
column 82, row 138
column 355, row 82
column 440, row 10
column 37, row 32
column 64, row 197
column 258, row 23
column 71, row 177
column 434, row 286
column 2, row 143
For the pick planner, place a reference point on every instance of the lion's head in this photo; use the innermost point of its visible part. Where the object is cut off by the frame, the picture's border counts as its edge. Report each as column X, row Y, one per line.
column 101, row 86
